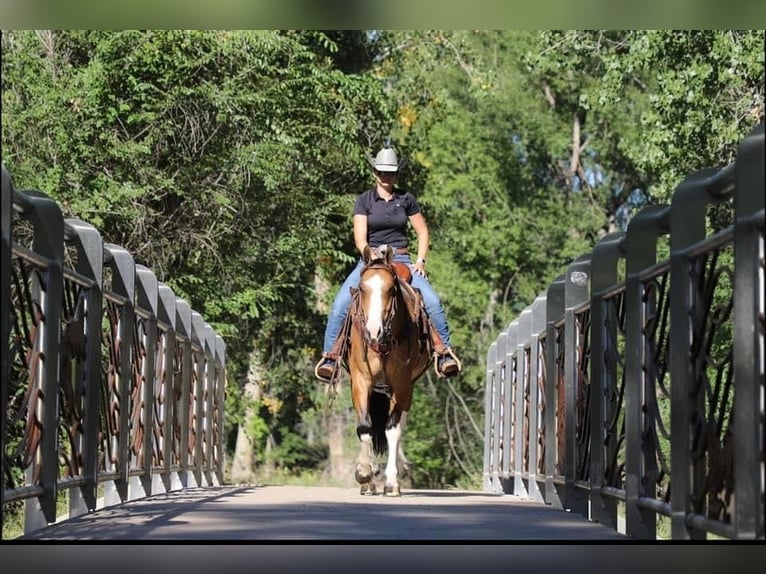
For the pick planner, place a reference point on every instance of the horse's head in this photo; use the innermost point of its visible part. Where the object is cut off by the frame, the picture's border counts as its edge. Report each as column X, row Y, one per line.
column 384, row 255
column 378, row 291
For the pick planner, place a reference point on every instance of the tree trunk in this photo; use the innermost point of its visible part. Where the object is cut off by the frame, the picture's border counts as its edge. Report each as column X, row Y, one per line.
column 339, row 467
column 243, row 465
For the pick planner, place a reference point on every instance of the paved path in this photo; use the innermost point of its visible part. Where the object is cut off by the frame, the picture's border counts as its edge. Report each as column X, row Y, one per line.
column 287, row 513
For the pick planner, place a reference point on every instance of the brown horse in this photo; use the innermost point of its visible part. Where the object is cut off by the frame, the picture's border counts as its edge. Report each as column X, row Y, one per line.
column 389, row 349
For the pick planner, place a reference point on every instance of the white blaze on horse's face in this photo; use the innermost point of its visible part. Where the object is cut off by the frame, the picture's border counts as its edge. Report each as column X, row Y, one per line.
column 374, row 288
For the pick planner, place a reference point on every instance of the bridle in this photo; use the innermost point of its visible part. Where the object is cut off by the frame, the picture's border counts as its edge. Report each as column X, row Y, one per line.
column 386, row 342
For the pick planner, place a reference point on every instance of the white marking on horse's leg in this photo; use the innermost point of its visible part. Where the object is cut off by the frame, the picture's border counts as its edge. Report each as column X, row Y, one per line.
column 400, row 452
column 393, row 435
column 375, row 313
column 365, row 450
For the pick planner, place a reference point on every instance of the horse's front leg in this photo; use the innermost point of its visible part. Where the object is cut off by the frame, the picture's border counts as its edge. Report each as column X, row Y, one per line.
column 364, row 468
column 394, row 430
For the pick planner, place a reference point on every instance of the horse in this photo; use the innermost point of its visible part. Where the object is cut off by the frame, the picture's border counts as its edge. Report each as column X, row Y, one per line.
column 389, row 349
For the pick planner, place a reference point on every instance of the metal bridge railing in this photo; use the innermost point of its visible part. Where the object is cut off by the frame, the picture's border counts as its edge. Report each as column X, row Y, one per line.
column 634, row 388
column 112, row 387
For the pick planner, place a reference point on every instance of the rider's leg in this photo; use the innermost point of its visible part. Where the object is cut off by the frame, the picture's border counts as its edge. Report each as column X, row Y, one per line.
column 433, row 307
column 338, row 311
column 448, row 364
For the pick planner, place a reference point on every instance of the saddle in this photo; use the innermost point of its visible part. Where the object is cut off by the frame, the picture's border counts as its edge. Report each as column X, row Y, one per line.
column 402, row 271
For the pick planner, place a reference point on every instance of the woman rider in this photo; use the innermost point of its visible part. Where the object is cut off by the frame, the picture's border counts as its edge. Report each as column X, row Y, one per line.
column 380, row 218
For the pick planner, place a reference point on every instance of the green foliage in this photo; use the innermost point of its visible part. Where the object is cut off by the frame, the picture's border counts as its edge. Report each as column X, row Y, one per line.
column 658, row 104
column 227, row 162
column 294, row 454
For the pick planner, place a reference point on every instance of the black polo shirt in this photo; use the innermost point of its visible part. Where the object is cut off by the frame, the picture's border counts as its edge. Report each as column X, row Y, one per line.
column 386, row 220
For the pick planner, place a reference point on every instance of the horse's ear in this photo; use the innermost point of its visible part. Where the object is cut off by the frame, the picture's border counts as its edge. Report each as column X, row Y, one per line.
column 388, row 255
column 367, row 254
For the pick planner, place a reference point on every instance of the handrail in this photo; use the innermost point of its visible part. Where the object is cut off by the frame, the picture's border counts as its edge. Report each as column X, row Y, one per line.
column 83, row 367
column 651, row 380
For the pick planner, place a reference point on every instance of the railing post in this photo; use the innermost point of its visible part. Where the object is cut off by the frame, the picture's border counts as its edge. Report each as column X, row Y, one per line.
column 687, row 221
column 535, row 376
column 508, row 425
column 523, row 331
column 198, row 337
column 123, row 269
column 6, row 240
column 500, row 471
column 166, row 313
column 641, row 250
column 90, row 264
column 490, row 457
column 606, row 254
column 750, row 387
column 48, row 223
column 577, row 292
column 220, row 390
column 184, row 326
column 209, row 435
column 555, row 310
column 146, row 300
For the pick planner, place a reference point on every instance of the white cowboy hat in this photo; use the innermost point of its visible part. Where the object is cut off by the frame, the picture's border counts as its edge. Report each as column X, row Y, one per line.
column 386, row 160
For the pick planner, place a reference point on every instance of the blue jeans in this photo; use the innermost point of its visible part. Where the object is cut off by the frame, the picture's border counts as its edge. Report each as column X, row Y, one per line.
column 342, row 303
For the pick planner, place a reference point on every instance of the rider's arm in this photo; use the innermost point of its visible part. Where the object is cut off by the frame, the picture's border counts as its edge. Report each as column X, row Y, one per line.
column 421, row 230
column 360, row 232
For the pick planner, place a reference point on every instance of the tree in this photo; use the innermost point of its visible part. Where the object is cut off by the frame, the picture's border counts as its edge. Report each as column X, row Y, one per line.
column 486, row 174
column 227, row 162
column 215, row 157
column 655, row 105
column 527, row 147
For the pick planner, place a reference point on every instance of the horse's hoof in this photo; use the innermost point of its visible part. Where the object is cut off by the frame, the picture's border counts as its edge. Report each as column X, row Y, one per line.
column 362, row 478
column 368, row 488
column 392, row 490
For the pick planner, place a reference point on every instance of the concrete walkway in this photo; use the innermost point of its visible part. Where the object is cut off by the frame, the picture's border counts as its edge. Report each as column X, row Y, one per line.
column 296, row 513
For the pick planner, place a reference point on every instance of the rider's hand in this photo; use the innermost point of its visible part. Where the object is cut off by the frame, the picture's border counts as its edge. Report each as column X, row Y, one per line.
column 420, row 268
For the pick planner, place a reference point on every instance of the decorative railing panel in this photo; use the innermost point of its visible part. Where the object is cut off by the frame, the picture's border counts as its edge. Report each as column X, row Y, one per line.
column 613, row 389
column 539, row 403
column 650, row 384
column 112, row 387
column 582, row 398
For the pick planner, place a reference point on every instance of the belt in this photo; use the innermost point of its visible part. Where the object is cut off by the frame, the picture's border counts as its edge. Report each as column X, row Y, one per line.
column 397, row 250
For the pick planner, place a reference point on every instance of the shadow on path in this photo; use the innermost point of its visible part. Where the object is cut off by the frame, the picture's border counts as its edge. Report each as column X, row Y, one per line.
column 326, row 513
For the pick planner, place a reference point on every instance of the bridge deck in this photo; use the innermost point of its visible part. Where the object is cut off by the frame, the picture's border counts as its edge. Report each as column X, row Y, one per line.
column 326, row 513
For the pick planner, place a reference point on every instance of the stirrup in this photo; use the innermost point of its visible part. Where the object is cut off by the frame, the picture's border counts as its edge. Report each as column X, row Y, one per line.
column 447, row 353
column 326, row 369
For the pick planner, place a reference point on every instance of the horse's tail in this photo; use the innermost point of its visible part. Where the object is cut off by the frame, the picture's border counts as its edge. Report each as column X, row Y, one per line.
column 379, row 404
